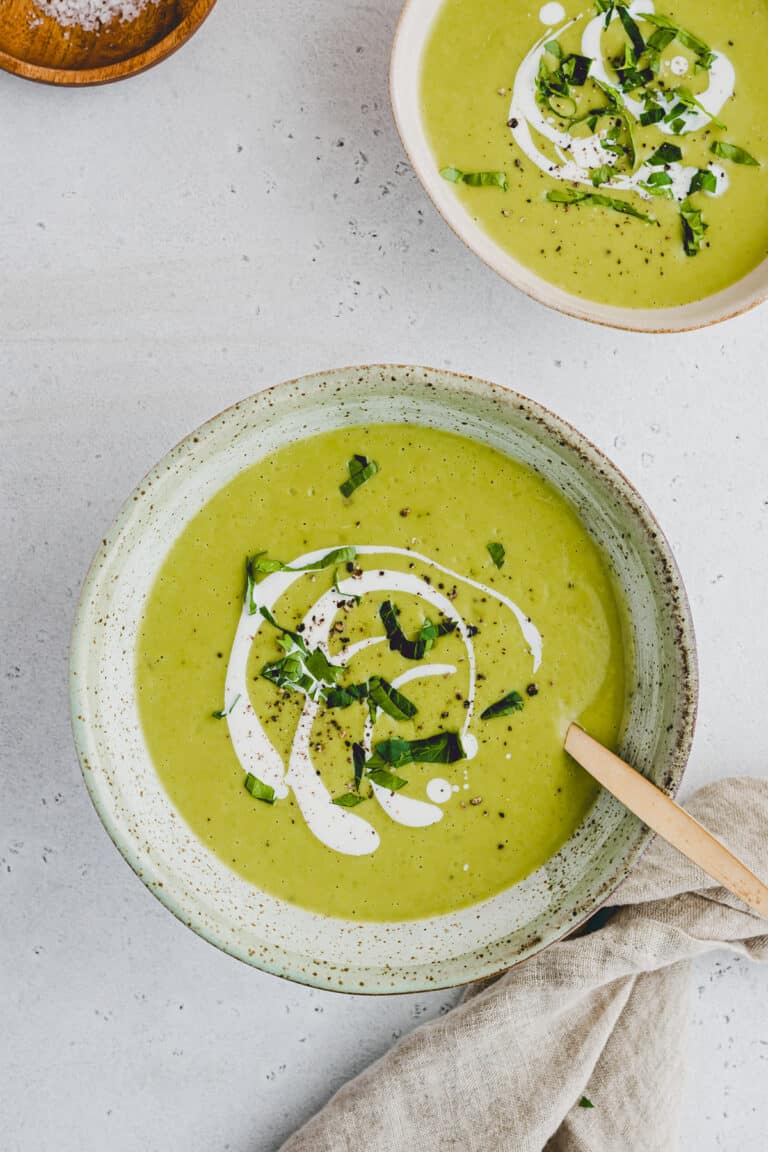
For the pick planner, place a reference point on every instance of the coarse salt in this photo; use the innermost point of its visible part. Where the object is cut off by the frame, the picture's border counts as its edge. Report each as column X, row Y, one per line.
column 91, row 14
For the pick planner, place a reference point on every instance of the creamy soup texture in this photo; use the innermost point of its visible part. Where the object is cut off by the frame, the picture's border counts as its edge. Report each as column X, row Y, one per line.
column 618, row 150
column 358, row 662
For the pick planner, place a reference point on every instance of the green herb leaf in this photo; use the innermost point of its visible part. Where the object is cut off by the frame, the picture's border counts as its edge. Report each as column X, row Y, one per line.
column 703, row 181
column 497, row 553
column 585, row 1102
column 687, row 98
column 358, row 762
column 259, row 790
column 660, row 39
column 360, row 470
column 512, row 702
column 299, row 670
column 260, row 564
column 225, row 711
column 704, row 54
column 606, row 6
column 619, row 108
column 442, row 748
column 602, row 175
column 694, row 227
column 572, row 196
column 632, row 31
column 392, row 702
column 348, row 800
column 386, row 779
column 658, row 184
column 732, row 152
column 665, row 154
column 475, row 179
column 399, row 642
column 554, row 49
column 343, row 697
column 575, row 69
column 657, row 179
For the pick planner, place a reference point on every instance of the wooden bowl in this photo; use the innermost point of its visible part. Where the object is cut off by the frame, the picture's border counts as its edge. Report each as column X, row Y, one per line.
column 37, row 47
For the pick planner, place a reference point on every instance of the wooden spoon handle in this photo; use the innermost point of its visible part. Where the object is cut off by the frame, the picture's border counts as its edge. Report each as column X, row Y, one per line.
column 666, row 818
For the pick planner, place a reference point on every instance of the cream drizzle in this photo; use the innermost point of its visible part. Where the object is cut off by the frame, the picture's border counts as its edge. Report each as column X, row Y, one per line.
column 580, row 155
column 338, row 828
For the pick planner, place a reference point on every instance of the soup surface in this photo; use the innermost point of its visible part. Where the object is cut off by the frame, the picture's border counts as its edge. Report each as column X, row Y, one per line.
column 621, row 152
column 358, row 701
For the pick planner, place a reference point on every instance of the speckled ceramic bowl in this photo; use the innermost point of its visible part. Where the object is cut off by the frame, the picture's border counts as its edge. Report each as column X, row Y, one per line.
column 412, row 34
column 191, row 881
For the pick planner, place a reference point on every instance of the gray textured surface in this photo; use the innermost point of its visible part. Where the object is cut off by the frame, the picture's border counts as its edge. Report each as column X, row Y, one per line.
column 241, row 215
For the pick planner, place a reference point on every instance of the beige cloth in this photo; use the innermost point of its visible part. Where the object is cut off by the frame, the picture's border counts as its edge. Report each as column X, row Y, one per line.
column 602, row 1015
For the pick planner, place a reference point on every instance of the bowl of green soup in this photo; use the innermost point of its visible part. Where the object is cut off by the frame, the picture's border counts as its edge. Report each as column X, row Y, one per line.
column 323, row 665
column 609, row 159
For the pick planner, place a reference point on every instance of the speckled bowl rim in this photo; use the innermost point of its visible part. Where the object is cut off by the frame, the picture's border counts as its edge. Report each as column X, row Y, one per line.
column 596, row 459
column 726, row 304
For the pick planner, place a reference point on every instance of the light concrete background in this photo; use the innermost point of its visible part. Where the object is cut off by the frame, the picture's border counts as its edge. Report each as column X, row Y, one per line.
column 241, row 215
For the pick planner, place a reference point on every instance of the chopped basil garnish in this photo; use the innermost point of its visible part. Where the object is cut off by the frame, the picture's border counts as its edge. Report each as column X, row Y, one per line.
column 399, row 642
column 259, row 790
column 687, row 98
column 694, row 228
column 475, row 179
column 665, row 154
column 496, row 551
column 617, row 108
column 554, row 49
column 260, row 564
column 225, row 711
column 652, row 115
column 732, row 152
column 348, row 800
column 300, row 669
column 512, row 702
column 606, row 6
column 572, row 196
column 360, row 469
column 658, row 184
column 602, row 175
column 585, row 1102
column 442, row 748
column 358, row 762
column 386, row 779
column 392, row 702
column 343, row 697
column 632, row 31
column 704, row 55
column 703, row 181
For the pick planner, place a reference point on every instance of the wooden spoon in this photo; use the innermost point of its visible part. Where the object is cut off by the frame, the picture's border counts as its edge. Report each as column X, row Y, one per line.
column 666, row 818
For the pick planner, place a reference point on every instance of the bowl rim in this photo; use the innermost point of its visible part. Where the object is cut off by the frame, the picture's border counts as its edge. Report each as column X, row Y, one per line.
column 660, row 321
column 554, row 424
column 120, row 69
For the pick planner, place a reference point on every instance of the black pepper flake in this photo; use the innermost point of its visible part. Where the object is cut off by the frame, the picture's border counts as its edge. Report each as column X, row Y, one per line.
column 532, row 690
column 472, row 630
column 512, row 122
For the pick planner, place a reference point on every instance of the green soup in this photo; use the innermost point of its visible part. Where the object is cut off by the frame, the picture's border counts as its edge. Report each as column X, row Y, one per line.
column 594, row 120
column 378, row 734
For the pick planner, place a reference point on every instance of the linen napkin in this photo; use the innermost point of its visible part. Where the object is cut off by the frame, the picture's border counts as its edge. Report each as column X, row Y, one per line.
column 600, row 1016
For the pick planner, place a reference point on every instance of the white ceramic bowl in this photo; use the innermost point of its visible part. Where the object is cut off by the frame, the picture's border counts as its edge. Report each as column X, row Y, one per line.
column 195, row 884
column 413, row 31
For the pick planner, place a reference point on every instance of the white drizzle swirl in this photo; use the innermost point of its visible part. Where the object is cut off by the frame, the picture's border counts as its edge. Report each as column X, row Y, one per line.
column 339, row 828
